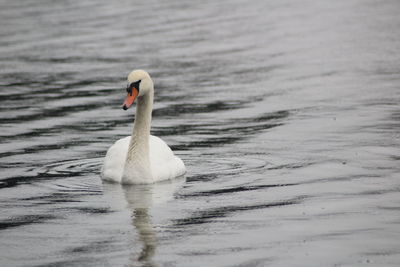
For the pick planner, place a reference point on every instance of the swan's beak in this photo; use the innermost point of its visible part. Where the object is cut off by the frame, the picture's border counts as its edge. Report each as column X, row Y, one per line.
column 130, row 98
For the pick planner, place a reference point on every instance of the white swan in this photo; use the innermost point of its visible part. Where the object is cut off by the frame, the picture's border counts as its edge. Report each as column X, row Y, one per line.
column 141, row 158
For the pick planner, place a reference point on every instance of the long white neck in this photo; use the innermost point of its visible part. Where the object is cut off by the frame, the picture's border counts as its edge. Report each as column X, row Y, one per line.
column 141, row 128
column 137, row 165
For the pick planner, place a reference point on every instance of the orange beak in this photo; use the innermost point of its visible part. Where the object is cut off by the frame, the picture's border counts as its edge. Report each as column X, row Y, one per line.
column 130, row 98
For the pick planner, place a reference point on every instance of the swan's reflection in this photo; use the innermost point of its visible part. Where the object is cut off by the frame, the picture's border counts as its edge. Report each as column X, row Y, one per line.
column 140, row 199
column 141, row 221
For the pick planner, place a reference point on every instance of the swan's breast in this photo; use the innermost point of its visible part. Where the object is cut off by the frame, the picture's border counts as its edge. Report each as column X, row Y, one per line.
column 114, row 161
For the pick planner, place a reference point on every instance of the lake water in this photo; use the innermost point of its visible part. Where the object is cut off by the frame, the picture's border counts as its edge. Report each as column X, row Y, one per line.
column 286, row 114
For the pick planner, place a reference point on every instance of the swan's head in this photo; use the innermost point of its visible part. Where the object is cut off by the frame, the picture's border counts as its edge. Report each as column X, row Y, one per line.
column 139, row 84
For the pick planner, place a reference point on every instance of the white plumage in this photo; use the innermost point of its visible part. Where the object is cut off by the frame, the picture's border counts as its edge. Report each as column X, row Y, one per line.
column 141, row 158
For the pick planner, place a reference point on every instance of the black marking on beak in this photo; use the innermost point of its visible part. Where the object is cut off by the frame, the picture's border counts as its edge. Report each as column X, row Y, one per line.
column 130, row 87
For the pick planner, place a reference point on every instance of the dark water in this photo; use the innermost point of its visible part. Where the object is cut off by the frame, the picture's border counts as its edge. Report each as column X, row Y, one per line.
column 286, row 114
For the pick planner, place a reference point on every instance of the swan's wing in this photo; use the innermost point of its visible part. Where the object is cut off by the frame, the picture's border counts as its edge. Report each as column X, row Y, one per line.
column 164, row 164
column 114, row 161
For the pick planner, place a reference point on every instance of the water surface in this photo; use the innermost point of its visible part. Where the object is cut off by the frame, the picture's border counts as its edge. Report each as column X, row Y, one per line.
column 285, row 113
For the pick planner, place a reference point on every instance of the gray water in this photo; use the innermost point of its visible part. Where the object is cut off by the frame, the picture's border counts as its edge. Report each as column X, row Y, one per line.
column 286, row 114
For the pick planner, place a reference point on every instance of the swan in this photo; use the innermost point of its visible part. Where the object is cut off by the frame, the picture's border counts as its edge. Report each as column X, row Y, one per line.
column 140, row 158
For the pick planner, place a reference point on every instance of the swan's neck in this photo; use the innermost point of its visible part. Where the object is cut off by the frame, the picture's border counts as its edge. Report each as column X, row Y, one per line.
column 139, row 145
column 137, row 165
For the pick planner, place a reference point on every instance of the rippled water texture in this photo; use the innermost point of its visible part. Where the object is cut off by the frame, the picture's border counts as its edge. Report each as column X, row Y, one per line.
column 286, row 114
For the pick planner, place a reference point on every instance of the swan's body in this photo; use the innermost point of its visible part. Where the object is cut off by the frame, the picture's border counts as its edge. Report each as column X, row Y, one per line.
column 164, row 165
column 140, row 158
